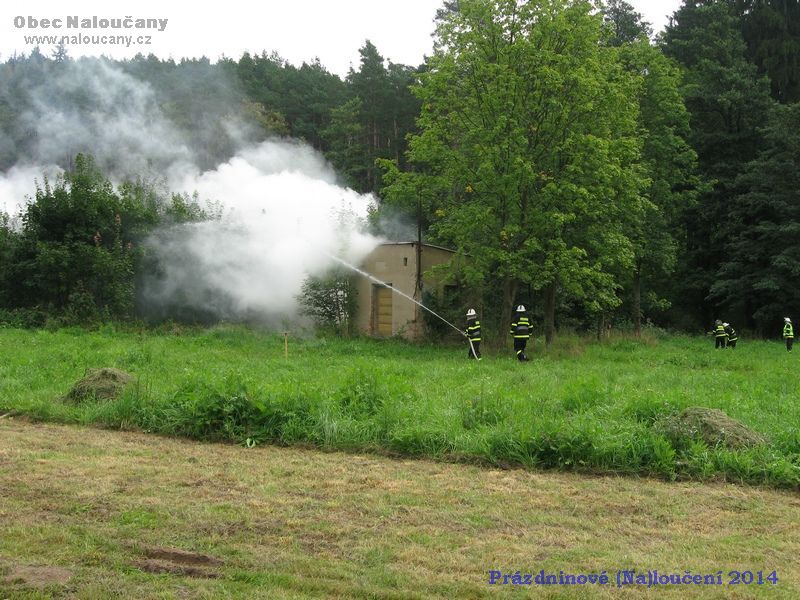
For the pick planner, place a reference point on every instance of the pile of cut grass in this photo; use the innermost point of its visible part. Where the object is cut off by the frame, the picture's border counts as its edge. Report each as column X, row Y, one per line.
column 99, row 384
column 710, row 426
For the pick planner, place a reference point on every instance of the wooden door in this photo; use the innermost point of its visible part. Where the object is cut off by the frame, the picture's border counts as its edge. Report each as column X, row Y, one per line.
column 382, row 310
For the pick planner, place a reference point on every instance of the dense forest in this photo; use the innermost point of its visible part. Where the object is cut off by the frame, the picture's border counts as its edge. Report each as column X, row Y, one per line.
column 595, row 172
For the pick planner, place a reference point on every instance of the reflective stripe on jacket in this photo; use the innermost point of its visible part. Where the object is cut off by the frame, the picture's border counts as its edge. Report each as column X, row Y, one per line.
column 521, row 328
column 788, row 331
column 473, row 330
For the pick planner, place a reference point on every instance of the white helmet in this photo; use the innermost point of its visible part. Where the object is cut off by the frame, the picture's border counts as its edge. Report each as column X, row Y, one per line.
column 471, row 313
column 726, row 324
column 520, row 308
column 787, row 319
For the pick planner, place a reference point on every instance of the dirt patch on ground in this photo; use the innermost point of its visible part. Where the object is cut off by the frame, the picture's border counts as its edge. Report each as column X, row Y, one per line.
column 710, row 425
column 181, row 556
column 99, row 384
column 37, row 576
column 178, row 562
column 165, row 566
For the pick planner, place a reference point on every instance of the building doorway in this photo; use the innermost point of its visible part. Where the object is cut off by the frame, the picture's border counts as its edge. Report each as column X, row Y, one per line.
column 381, row 310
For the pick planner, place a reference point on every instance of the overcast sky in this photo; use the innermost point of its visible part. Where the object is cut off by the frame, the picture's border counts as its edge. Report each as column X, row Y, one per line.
column 299, row 30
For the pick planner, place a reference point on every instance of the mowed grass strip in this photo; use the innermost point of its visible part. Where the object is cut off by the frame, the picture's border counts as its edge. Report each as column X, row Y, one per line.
column 579, row 406
column 88, row 513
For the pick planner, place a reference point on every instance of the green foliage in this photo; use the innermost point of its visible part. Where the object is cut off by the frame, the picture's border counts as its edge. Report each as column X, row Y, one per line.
column 331, row 300
column 77, row 251
column 225, row 410
column 345, row 138
column 663, row 457
column 378, row 116
column 78, row 255
column 729, row 103
column 623, row 24
column 8, row 243
column 762, row 261
column 726, row 97
column 670, row 166
column 771, row 29
column 526, row 147
column 271, row 121
column 450, row 306
column 547, row 141
column 299, row 99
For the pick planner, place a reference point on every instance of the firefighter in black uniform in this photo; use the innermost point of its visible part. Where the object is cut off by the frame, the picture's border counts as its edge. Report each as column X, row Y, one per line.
column 733, row 337
column 521, row 330
column 719, row 334
column 473, row 332
column 788, row 333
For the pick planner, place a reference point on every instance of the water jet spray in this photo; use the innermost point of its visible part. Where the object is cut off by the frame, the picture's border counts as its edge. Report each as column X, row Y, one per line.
column 404, row 295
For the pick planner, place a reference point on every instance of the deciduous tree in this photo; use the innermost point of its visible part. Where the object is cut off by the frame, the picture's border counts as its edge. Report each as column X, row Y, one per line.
column 528, row 128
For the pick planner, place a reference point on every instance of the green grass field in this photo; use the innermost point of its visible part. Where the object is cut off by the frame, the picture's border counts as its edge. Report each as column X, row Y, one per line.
column 580, row 406
column 96, row 514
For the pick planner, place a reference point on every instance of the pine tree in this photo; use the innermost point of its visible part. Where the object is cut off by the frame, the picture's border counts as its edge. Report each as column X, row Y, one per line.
column 729, row 103
column 761, row 270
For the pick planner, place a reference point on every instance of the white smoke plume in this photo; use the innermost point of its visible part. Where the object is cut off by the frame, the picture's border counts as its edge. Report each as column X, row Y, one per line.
column 91, row 106
column 99, row 109
column 284, row 217
column 18, row 185
column 283, row 212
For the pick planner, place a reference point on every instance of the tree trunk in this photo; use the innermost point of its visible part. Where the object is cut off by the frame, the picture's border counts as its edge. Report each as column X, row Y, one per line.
column 509, row 295
column 373, row 155
column 396, row 142
column 418, row 284
column 601, row 326
column 637, row 299
column 750, row 322
column 549, row 313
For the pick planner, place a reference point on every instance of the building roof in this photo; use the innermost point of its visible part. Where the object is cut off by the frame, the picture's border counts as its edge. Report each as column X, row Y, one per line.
column 413, row 243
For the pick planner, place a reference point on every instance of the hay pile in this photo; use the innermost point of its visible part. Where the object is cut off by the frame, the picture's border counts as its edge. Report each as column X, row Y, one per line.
column 99, row 384
column 710, row 425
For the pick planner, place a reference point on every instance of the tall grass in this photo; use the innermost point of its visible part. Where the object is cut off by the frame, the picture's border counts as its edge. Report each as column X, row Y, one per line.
column 579, row 406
